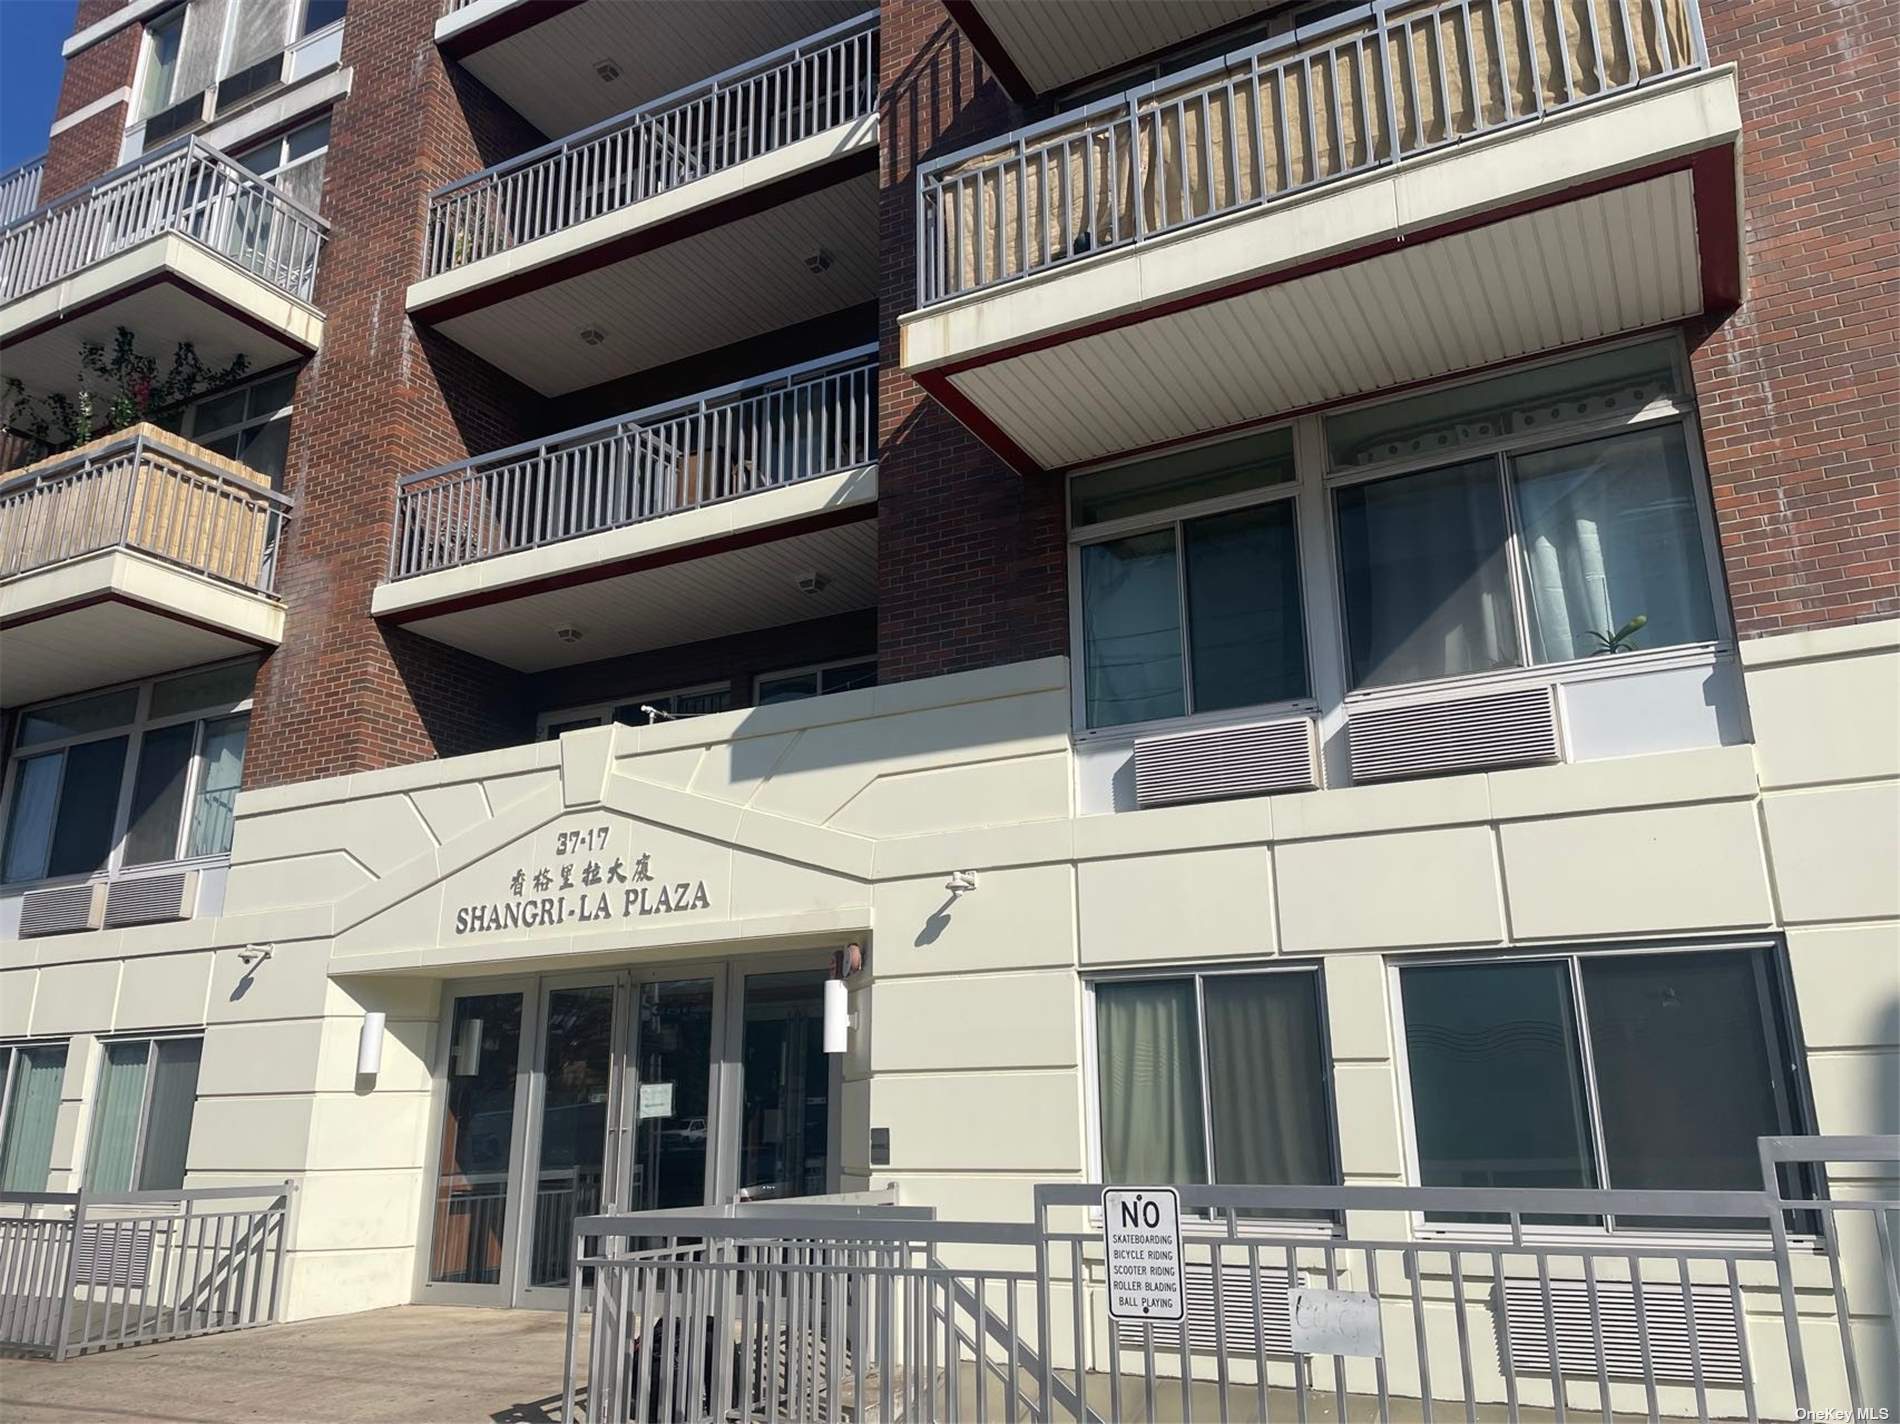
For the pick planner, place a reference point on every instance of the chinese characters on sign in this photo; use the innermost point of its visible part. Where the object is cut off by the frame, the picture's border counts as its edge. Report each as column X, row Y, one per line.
column 577, row 891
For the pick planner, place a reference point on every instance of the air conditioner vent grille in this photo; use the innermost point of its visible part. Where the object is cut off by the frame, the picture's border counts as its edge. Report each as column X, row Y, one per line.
column 167, row 124
column 1207, row 765
column 1515, row 728
column 1665, row 1324
column 1238, row 1330
column 151, row 899
column 62, row 911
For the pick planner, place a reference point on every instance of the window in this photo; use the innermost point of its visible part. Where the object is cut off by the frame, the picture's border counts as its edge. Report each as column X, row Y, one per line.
column 1189, row 579
column 293, row 162
column 1214, row 1078
column 30, row 1078
column 321, row 14
column 1646, row 1069
column 141, row 1120
column 799, row 683
column 250, row 424
column 669, row 706
column 163, row 38
column 1537, row 550
column 133, row 777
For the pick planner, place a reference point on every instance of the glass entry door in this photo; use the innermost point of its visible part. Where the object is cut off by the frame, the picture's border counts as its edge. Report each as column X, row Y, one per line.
column 473, row 1223
column 567, row 1096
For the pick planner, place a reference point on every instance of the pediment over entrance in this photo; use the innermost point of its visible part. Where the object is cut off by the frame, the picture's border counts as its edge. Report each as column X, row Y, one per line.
column 591, row 860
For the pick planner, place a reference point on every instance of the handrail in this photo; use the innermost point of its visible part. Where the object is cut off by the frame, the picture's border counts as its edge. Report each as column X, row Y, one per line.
column 142, row 491
column 186, row 187
column 798, row 90
column 1364, row 90
column 813, row 419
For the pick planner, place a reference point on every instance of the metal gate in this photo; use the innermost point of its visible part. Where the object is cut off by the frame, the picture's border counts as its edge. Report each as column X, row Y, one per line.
column 1775, row 1303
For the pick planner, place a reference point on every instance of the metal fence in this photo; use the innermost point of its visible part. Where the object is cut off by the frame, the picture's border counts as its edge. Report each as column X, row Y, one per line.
column 149, row 492
column 81, row 1272
column 20, row 189
column 187, row 188
column 768, row 103
column 1378, row 86
column 1469, row 1303
column 810, row 420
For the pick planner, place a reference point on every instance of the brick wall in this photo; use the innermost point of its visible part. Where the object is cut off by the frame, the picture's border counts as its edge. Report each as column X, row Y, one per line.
column 88, row 149
column 381, row 398
column 1800, row 389
column 971, row 555
column 737, row 659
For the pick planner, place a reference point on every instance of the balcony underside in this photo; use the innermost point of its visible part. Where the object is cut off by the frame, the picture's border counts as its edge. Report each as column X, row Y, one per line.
column 116, row 615
column 1615, row 217
column 730, row 567
column 165, row 291
column 1055, row 43
column 694, row 269
column 541, row 57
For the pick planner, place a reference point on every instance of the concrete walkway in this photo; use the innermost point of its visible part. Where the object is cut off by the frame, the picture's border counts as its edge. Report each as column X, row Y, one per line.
column 415, row 1364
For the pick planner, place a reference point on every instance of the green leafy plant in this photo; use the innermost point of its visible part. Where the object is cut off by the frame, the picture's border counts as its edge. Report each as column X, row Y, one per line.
column 1622, row 640
column 118, row 386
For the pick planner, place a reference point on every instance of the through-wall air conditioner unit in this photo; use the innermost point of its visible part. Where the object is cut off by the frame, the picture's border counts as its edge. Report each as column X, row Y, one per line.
column 1250, row 760
column 1663, row 1336
column 252, row 80
column 182, row 117
column 152, row 899
column 1515, row 728
column 63, row 911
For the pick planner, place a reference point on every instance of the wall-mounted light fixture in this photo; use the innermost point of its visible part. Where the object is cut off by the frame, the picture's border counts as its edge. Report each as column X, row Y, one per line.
column 369, row 1045
column 838, row 1017
column 961, row 882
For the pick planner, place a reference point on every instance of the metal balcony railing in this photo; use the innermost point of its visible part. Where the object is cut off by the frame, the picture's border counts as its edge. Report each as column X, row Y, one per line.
column 20, row 189
column 768, row 103
column 796, row 424
column 188, row 188
column 1374, row 87
column 149, row 491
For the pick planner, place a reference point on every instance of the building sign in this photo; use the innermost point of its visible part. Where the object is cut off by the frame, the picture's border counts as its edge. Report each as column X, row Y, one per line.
column 1141, row 1228
column 584, row 883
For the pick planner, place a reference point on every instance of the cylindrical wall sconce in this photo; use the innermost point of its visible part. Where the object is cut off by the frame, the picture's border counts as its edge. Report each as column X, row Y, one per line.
column 837, row 1016
column 369, row 1045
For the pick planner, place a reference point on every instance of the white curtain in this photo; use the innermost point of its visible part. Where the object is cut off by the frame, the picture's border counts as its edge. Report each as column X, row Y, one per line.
column 27, row 1150
column 197, row 66
column 1131, row 630
column 1152, row 1128
column 211, row 817
column 262, row 29
column 1610, row 532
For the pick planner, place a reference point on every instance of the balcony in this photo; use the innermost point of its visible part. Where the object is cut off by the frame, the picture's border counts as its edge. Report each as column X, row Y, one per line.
column 567, row 66
column 133, row 555
column 183, row 245
column 1433, row 189
column 741, row 205
column 736, row 509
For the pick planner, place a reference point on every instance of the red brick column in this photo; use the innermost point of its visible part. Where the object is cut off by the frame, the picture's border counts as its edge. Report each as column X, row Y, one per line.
column 971, row 555
column 90, row 147
column 381, row 398
column 1800, row 388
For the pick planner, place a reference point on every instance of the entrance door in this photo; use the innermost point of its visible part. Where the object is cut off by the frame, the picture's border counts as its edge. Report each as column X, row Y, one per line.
column 474, row 1222
column 674, row 1059
column 784, row 1144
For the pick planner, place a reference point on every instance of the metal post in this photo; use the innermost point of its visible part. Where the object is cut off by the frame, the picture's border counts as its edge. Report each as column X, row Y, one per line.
column 71, row 1278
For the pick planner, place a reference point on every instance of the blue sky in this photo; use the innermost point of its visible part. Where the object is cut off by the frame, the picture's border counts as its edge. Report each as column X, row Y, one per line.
column 30, row 35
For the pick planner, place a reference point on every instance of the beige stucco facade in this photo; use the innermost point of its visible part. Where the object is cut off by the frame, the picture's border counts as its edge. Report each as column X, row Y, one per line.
column 808, row 825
